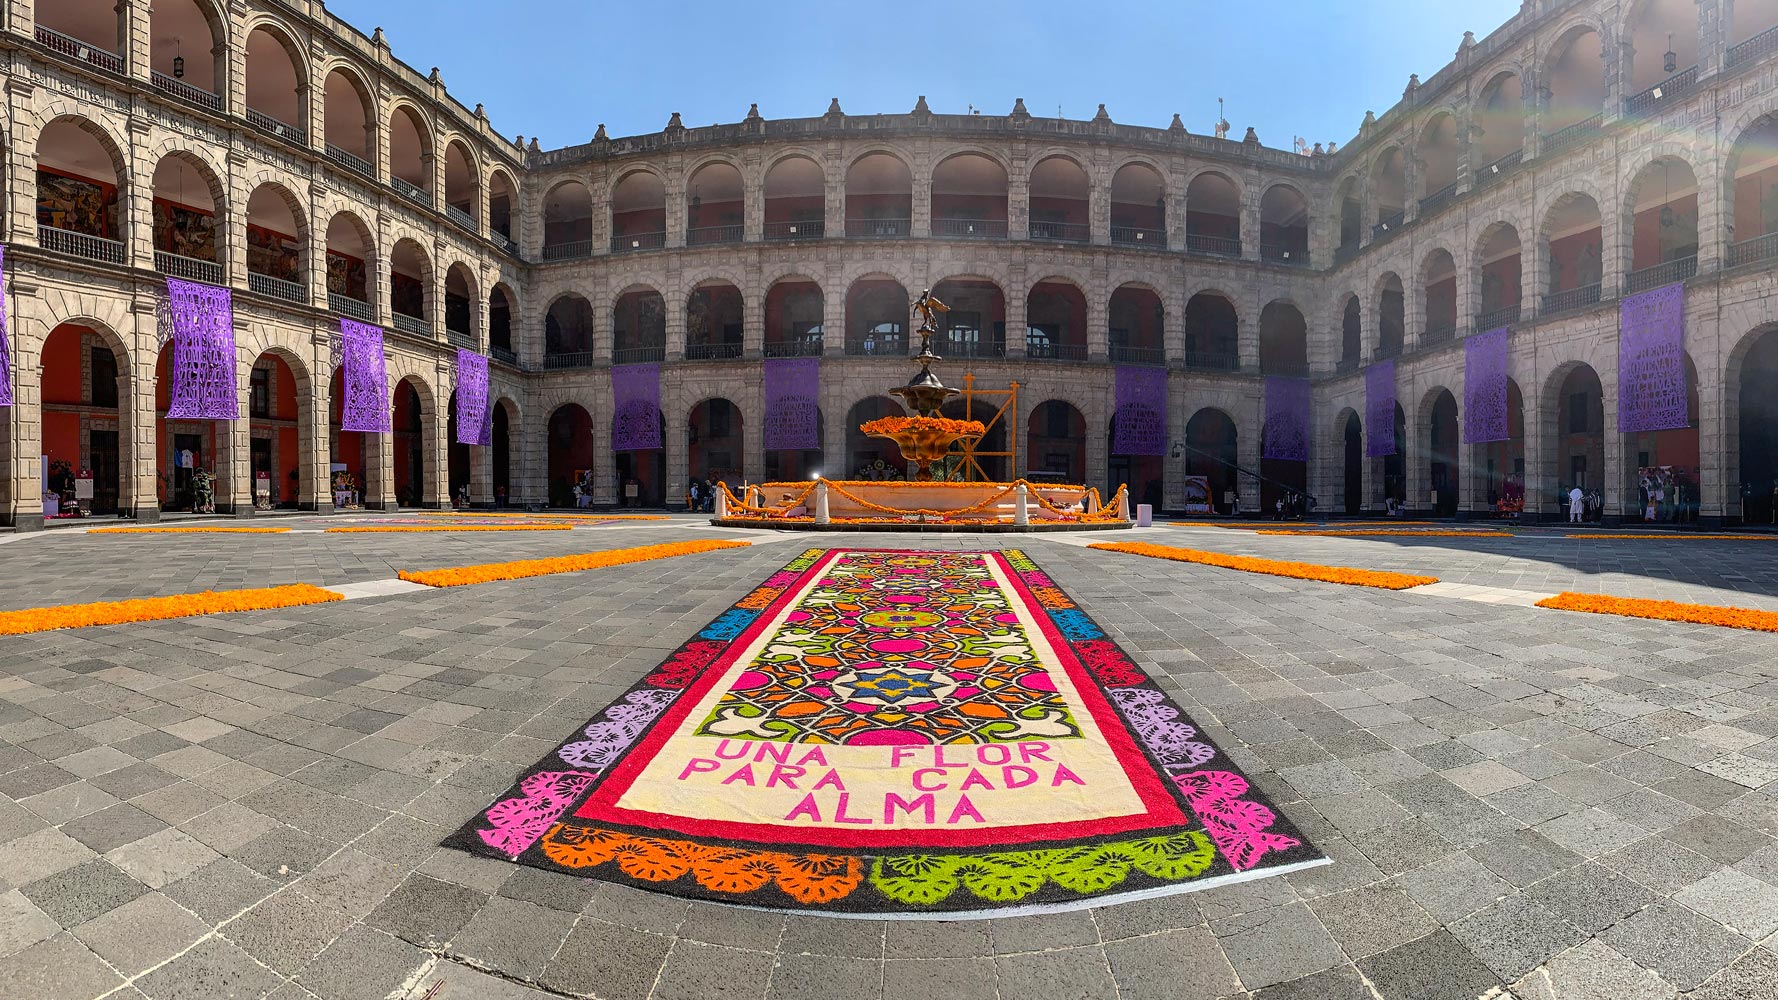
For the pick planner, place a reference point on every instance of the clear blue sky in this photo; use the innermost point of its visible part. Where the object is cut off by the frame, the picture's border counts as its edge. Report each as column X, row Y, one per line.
column 555, row 69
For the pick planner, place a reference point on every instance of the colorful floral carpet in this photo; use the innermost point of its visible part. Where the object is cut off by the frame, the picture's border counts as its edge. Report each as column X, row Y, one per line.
column 895, row 733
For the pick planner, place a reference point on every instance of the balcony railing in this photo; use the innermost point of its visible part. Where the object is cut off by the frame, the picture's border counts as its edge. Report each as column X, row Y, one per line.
column 278, row 288
column 878, row 229
column 706, row 235
column 1757, row 249
column 638, row 241
column 1386, row 351
column 185, row 91
column 505, row 356
column 189, row 268
column 1288, row 369
column 812, row 229
column 1499, row 168
column 1346, row 366
column 1665, row 92
column 1439, row 330
column 461, row 218
column 1124, row 354
column 1293, row 254
column 1494, row 319
column 1389, row 225
column 1067, row 232
column 1215, row 361
column 1660, row 274
column 892, row 348
column 638, row 355
column 1051, row 351
column 1214, row 246
column 283, row 130
column 972, row 349
column 1761, row 44
column 809, row 348
column 411, row 324
column 969, row 229
column 1579, row 132
column 571, row 251
column 1345, row 252
column 80, row 244
column 351, row 161
column 712, row 352
column 412, row 192
column 74, row 48
column 578, row 359
column 348, row 306
column 1133, row 236
column 1573, row 298
column 507, row 244
column 1438, row 199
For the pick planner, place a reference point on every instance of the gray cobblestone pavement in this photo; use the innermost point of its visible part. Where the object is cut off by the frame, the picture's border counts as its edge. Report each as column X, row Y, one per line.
column 1519, row 802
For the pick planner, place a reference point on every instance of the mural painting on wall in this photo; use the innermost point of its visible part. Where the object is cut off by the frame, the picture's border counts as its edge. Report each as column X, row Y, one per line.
column 75, row 205
column 406, row 296
column 345, row 275
column 272, row 254
column 183, row 231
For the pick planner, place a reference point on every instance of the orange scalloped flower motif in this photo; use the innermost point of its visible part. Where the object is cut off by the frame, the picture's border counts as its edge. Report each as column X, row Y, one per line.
column 1273, row 567
column 394, row 529
column 1672, row 611
column 193, row 530
column 891, row 426
column 488, row 572
column 149, row 609
column 806, row 878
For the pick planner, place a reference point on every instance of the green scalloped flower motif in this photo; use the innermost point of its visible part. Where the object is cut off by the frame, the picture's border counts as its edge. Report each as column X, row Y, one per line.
column 1018, row 560
column 928, row 879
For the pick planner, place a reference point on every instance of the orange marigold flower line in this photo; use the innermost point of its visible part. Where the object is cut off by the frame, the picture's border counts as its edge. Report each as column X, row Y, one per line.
column 545, row 515
column 373, row 529
column 1671, row 611
column 192, row 530
column 489, row 572
column 1690, row 538
column 887, row 426
column 148, row 609
column 1366, row 532
column 1273, row 567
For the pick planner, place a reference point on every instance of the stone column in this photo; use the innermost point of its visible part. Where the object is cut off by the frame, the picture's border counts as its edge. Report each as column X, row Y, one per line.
column 315, row 417
column 1015, row 296
column 1250, row 419
column 753, row 420
column 136, row 415
column 753, row 324
column 1718, row 498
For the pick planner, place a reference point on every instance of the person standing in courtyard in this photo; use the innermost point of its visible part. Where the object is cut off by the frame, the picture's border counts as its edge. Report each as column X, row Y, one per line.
column 1577, row 505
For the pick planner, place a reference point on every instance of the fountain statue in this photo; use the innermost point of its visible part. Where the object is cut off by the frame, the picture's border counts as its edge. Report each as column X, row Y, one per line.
column 925, row 437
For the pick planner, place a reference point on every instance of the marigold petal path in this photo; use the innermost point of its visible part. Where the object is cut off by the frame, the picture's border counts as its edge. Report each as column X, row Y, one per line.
column 488, row 572
column 193, row 530
column 387, row 529
column 1273, row 567
column 1672, row 611
column 146, row 609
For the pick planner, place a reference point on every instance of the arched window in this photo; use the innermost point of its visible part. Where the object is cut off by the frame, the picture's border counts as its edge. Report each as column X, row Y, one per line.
column 796, row 200
column 715, row 209
column 879, row 198
column 1059, row 201
column 969, row 198
column 1138, row 207
column 638, row 213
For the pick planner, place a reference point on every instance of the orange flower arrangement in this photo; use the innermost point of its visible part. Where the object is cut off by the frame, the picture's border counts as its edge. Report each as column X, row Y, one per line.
column 1693, row 538
column 1273, row 567
column 488, row 572
column 385, row 529
column 195, row 530
column 553, row 517
column 891, row 426
column 1672, row 611
column 1362, row 532
column 148, row 609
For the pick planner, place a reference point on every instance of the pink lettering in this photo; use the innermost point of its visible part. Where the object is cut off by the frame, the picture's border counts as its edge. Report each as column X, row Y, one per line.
column 1029, row 752
column 1017, row 776
column 807, row 808
column 920, row 779
column 892, row 801
column 736, row 752
column 814, row 756
column 975, row 780
column 898, row 754
column 1063, row 774
column 964, row 808
column 743, row 775
column 938, row 759
column 829, row 780
column 698, row 765
column 786, row 773
column 994, row 753
column 779, row 752
column 841, row 816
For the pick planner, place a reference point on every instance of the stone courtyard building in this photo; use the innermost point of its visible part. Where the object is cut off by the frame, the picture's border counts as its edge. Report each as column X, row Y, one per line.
column 1582, row 152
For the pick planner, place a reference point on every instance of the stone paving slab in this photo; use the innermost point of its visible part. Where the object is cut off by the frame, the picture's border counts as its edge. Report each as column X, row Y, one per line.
column 1517, row 801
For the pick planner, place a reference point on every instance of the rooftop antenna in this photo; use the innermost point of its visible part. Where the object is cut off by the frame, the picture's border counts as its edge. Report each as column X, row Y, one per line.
column 1222, row 123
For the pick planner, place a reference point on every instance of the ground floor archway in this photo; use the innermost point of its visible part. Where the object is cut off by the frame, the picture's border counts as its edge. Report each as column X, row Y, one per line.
column 500, row 453
column 1142, row 473
column 1442, row 463
column 85, row 373
column 409, row 438
column 1212, row 442
column 869, row 457
column 1577, row 442
column 1283, row 482
column 1664, row 470
column 458, row 462
column 798, row 465
column 991, row 461
column 570, row 444
column 1056, row 442
column 278, row 433
column 642, row 475
column 186, row 451
column 1503, row 462
column 1759, row 431
column 715, row 444
column 1351, row 464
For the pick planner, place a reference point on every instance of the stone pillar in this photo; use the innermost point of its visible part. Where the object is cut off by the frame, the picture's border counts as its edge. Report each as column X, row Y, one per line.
column 674, row 409
column 921, row 224
column 136, row 415
column 751, row 401
column 1718, row 498
column 753, row 324
column 1016, row 298
column 1098, row 318
column 315, row 418
column 1018, row 198
column 1716, row 33
column 1251, row 184
column 1249, row 421
column 676, row 210
column 133, row 35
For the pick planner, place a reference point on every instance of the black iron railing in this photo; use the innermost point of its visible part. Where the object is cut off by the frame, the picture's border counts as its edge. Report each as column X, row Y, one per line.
column 1214, row 246
column 1216, row 361
column 1134, row 236
column 189, row 268
column 892, row 348
column 283, row 130
column 412, row 192
column 1438, row 199
column 1663, row 93
column 571, row 251
column 806, row 230
column 1051, row 351
column 1288, row 369
column 1124, row 354
column 969, row 229
column 878, row 229
column 348, row 306
column 461, row 218
column 1761, row 44
column 184, row 91
column 1660, row 274
column 1499, row 168
column 707, row 235
column 504, row 355
column 411, row 324
column 507, row 244
column 1385, row 351
column 1572, row 298
column 278, row 288
column 74, row 48
column 1389, row 225
column 1757, row 249
column 972, row 349
column 1579, row 132
column 1439, row 330
column 1346, row 366
column 1294, row 254
column 577, row 359
column 638, row 355
column 80, row 244
column 1067, row 232
column 351, row 161
column 793, row 348
column 712, row 352
column 638, row 241
column 1494, row 319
